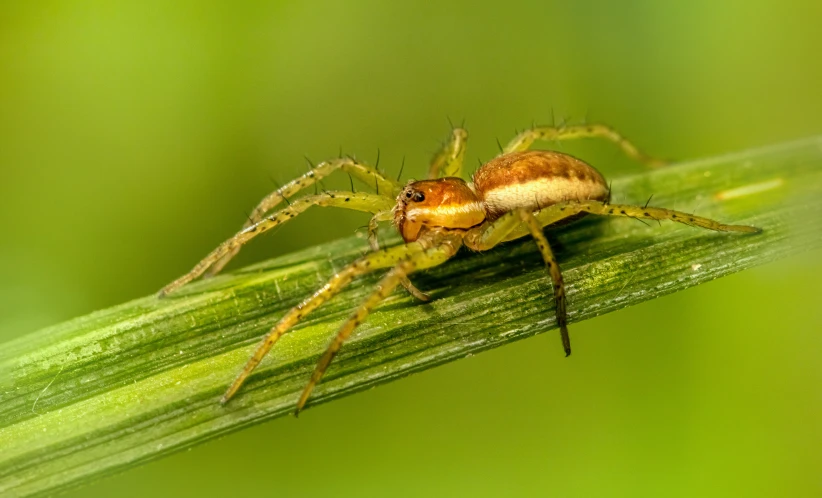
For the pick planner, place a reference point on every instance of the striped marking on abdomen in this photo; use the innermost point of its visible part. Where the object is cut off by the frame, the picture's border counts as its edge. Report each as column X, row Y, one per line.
column 539, row 193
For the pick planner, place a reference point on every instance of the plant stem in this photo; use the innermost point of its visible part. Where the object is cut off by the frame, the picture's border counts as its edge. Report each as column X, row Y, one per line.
column 129, row 384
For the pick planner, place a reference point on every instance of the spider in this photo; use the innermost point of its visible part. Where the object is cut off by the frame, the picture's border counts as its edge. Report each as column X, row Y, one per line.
column 515, row 194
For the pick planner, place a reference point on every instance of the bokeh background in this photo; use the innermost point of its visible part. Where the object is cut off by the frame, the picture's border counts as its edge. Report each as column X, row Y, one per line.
column 134, row 136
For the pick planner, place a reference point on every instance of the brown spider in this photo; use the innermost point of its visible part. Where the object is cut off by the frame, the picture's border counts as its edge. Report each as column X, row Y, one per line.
column 517, row 193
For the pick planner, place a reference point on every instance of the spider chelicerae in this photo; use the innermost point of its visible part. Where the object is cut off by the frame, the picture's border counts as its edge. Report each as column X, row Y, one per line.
column 515, row 194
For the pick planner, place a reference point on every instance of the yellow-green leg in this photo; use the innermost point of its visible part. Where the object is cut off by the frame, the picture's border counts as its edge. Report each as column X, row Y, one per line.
column 522, row 222
column 368, row 175
column 556, row 276
column 432, row 257
column 358, row 201
column 558, row 212
column 375, row 246
column 551, row 133
column 417, row 254
column 448, row 160
column 514, row 225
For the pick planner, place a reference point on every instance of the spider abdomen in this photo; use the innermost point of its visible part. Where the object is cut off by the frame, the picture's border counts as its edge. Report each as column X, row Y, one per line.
column 536, row 179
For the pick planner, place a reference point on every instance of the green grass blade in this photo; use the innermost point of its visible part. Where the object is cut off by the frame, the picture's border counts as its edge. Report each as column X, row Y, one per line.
column 129, row 384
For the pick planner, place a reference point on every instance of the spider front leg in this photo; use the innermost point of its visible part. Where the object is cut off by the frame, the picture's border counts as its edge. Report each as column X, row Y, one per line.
column 368, row 175
column 550, row 133
column 417, row 254
column 358, row 201
column 374, row 242
column 448, row 160
column 489, row 235
column 432, row 257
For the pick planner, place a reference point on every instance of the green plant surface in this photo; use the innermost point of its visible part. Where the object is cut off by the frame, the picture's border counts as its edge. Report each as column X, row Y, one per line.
column 129, row 384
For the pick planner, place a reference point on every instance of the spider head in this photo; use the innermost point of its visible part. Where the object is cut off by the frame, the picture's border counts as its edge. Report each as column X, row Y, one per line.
column 440, row 203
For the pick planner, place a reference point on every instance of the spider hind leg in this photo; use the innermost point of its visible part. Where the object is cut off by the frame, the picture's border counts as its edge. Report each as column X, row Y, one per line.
column 525, row 139
column 516, row 224
column 559, row 212
column 556, row 276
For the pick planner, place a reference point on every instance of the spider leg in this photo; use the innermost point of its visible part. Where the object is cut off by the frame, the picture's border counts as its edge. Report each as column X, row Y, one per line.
column 373, row 225
column 448, row 160
column 516, row 224
column 521, row 222
column 432, row 257
column 370, row 176
column 359, row 201
column 524, row 140
column 556, row 276
column 557, row 212
column 409, row 257
column 375, row 246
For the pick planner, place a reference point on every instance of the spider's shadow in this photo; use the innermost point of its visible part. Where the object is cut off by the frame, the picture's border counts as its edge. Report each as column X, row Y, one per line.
column 511, row 259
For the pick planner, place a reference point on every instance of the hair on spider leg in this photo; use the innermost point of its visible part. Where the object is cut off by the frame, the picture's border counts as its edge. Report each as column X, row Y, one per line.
column 377, row 162
column 641, row 221
column 310, row 165
column 499, row 145
column 351, row 181
column 402, row 166
column 648, row 201
column 310, row 173
column 248, row 217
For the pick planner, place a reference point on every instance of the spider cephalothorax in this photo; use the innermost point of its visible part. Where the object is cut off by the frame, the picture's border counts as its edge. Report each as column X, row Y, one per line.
column 440, row 203
column 515, row 194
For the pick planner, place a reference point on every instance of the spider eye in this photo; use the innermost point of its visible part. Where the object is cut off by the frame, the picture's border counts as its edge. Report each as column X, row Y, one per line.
column 419, row 197
column 407, row 194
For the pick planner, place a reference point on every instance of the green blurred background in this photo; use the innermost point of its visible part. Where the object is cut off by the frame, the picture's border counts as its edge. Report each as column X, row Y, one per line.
column 135, row 135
